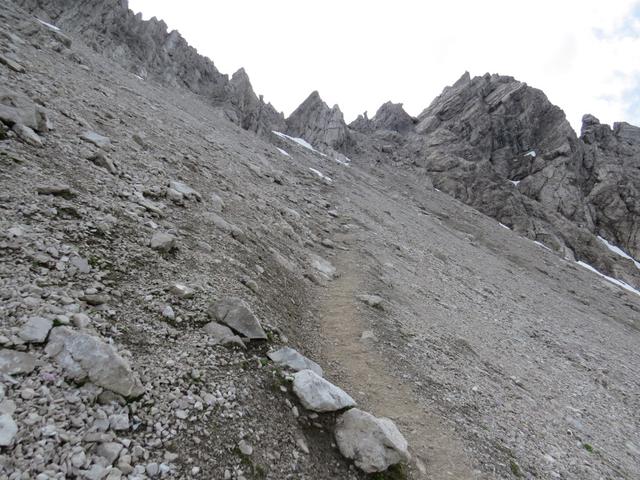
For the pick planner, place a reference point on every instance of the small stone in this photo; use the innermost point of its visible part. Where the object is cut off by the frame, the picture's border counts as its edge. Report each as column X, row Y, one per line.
column 109, row 451
column 152, row 469
column 11, row 64
column 182, row 291
column 12, row 362
column 185, row 190
column 8, row 430
column 163, row 242
column 27, row 393
column 96, row 139
column 35, row 330
column 27, row 135
column 181, row 414
column 56, row 190
column 236, row 314
column 80, row 320
column 101, row 160
column 119, row 422
column 222, row 334
column 294, row 360
column 374, row 301
column 168, row 313
column 245, row 447
column 319, row 395
column 217, row 204
column 302, row 444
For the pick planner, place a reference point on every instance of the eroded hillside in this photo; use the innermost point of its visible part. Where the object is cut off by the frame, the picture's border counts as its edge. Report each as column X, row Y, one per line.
column 133, row 209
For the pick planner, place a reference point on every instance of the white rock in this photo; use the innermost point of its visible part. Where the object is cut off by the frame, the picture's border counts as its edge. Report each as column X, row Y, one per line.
column 317, row 394
column 168, row 313
column 35, row 330
column 245, row 447
column 182, row 291
column 8, row 430
column 323, row 266
column 85, row 356
column 98, row 140
column 119, row 421
column 12, row 362
column 184, row 189
column 294, row 360
column 374, row 444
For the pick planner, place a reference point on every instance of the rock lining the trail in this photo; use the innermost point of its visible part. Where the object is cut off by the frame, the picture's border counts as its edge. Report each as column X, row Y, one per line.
column 319, row 395
column 374, row 444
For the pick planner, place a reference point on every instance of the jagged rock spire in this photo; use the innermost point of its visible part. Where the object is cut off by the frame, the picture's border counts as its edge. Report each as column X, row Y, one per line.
column 320, row 125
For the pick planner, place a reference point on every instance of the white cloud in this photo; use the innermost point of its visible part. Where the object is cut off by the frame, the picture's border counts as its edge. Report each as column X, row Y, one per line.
column 582, row 54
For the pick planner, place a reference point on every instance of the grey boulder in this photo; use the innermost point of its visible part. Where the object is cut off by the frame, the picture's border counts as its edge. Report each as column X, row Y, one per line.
column 291, row 358
column 319, row 395
column 84, row 356
column 374, row 444
column 12, row 362
column 96, row 139
column 163, row 242
column 35, row 330
column 237, row 315
column 222, row 334
column 8, row 430
column 188, row 192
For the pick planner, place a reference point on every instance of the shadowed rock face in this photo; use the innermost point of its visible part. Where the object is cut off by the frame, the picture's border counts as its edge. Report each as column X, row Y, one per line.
column 613, row 189
column 148, row 50
column 320, row 125
column 499, row 145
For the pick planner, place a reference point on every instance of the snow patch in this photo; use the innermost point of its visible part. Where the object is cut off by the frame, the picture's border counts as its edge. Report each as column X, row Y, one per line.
column 542, row 245
column 531, row 153
column 619, row 251
column 300, row 141
column 320, row 174
column 615, row 281
column 343, row 160
column 48, row 25
column 503, row 226
column 283, row 152
column 515, row 182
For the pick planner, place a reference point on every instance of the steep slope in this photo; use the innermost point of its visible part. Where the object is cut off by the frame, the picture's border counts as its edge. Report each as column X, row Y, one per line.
column 130, row 209
column 147, row 49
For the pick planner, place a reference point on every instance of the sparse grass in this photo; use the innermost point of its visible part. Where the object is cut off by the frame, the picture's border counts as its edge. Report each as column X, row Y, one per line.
column 587, row 447
column 257, row 470
column 515, row 468
column 394, row 472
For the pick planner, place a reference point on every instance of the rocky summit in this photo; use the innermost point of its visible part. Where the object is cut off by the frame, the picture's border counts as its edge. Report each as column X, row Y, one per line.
column 193, row 285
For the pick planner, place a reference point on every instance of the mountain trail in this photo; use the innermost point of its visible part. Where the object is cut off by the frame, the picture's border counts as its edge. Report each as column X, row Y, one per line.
column 437, row 451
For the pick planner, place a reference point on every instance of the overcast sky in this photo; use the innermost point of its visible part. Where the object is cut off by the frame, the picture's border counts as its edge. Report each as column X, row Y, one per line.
column 584, row 54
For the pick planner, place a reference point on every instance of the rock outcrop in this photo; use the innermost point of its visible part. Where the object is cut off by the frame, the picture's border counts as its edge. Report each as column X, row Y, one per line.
column 320, row 125
column 613, row 187
column 147, row 49
column 500, row 146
